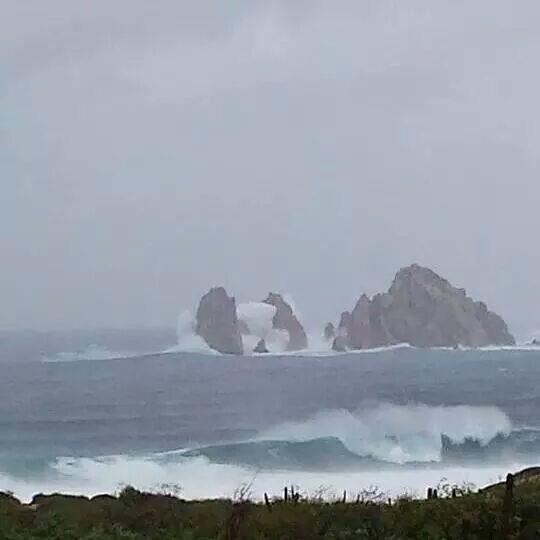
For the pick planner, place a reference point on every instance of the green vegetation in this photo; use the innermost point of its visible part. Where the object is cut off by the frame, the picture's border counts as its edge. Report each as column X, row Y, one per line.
column 502, row 512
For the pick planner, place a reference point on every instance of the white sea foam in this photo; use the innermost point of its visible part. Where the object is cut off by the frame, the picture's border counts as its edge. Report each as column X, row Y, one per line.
column 196, row 478
column 187, row 339
column 398, row 434
column 92, row 352
column 319, row 347
column 258, row 317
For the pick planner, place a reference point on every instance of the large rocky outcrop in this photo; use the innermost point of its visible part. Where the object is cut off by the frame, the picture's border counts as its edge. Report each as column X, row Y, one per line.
column 217, row 322
column 285, row 319
column 424, row 310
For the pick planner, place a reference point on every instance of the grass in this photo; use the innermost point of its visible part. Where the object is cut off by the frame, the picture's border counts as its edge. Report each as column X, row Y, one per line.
column 503, row 512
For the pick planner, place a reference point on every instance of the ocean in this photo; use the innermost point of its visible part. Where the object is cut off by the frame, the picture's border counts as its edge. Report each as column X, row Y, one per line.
column 390, row 421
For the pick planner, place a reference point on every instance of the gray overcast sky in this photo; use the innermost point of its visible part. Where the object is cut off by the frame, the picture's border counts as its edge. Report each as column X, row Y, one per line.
column 149, row 150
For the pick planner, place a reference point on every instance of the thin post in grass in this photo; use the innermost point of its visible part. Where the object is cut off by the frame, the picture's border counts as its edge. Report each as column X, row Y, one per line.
column 508, row 507
column 267, row 502
column 286, row 494
column 344, row 496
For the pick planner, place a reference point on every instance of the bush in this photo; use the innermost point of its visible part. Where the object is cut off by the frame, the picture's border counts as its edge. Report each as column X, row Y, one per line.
column 134, row 515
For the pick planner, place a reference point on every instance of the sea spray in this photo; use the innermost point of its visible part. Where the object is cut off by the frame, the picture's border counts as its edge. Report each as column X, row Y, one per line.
column 197, row 478
column 398, row 434
column 187, row 339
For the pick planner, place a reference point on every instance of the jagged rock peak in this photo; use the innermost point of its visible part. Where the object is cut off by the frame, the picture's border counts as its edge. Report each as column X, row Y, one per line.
column 408, row 275
column 217, row 322
column 425, row 310
column 285, row 319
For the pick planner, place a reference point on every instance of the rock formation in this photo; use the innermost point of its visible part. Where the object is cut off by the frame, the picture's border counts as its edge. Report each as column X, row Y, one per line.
column 329, row 332
column 340, row 344
column 424, row 310
column 285, row 319
column 261, row 347
column 217, row 322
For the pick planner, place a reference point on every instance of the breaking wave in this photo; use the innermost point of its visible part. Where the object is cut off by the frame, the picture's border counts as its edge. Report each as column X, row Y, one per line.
column 198, row 478
column 384, row 434
column 397, row 448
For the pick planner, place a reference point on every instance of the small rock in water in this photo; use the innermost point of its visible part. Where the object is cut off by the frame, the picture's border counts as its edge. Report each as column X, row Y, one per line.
column 339, row 344
column 329, row 332
column 261, row 347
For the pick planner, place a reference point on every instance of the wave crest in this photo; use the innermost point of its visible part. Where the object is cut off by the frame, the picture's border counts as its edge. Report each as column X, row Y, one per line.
column 398, row 434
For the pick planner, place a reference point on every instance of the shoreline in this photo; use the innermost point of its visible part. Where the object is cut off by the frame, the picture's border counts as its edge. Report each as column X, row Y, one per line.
column 510, row 509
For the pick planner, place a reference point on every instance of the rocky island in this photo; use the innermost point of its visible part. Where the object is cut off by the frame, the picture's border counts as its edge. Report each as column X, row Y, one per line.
column 217, row 322
column 259, row 327
column 285, row 319
column 420, row 308
column 424, row 310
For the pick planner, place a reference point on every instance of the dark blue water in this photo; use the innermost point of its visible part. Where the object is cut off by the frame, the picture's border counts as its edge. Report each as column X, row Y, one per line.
column 163, row 402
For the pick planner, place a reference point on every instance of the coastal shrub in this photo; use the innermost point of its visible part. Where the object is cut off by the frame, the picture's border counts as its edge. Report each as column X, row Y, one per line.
column 135, row 515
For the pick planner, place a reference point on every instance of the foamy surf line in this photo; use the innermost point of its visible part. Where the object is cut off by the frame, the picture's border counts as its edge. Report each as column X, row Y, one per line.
column 328, row 351
column 199, row 479
column 192, row 344
column 91, row 353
